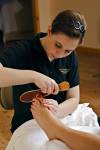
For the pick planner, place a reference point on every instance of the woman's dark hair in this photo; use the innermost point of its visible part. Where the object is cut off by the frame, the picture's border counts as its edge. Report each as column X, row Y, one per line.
column 71, row 23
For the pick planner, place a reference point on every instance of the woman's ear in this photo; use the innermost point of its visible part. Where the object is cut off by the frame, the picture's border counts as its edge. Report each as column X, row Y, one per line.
column 49, row 30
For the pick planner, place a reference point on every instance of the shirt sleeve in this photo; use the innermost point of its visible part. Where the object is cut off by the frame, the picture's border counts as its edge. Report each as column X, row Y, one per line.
column 16, row 54
column 73, row 75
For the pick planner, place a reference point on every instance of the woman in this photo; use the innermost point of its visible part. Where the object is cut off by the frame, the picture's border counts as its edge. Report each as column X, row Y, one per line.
column 43, row 62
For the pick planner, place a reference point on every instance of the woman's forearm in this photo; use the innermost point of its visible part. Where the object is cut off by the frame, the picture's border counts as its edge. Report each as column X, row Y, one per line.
column 10, row 76
column 71, row 102
column 67, row 107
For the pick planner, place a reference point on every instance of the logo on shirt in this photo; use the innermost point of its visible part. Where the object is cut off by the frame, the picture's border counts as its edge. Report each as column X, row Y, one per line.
column 64, row 70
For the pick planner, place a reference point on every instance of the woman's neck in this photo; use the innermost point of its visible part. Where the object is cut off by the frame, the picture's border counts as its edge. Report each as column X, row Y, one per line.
column 44, row 45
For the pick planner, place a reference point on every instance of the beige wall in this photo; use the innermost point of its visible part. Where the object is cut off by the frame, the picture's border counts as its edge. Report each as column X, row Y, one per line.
column 49, row 8
column 44, row 14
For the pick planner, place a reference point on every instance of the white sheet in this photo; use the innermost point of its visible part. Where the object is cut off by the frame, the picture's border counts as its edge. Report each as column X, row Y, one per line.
column 30, row 136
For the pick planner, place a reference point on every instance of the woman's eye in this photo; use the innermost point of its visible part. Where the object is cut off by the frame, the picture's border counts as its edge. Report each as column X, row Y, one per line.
column 58, row 45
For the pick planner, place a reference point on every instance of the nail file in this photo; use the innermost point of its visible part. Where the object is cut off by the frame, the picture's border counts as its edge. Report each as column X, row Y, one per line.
column 27, row 96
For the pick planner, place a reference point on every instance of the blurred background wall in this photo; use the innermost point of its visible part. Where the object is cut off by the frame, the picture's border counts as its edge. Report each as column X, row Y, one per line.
column 49, row 8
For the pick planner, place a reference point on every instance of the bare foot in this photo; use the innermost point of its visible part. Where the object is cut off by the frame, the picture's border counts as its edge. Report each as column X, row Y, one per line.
column 45, row 118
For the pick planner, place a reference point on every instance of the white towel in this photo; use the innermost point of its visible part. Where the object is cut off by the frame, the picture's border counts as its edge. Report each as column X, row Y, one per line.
column 82, row 116
column 31, row 136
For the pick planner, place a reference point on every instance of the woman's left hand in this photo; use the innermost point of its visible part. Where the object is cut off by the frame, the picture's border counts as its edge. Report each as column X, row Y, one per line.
column 51, row 104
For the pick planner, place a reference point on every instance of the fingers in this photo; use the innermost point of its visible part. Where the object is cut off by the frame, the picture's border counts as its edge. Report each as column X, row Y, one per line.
column 36, row 105
column 39, row 103
column 56, row 90
column 52, row 105
column 46, row 84
column 51, row 87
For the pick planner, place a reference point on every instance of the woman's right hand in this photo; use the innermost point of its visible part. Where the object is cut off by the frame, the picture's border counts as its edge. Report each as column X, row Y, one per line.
column 45, row 83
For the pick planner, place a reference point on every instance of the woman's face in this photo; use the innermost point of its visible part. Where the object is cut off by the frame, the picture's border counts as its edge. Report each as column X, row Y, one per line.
column 59, row 45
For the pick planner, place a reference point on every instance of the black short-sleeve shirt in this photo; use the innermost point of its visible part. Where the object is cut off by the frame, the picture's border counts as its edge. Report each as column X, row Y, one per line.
column 30, row 55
